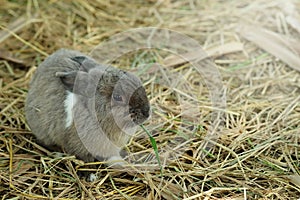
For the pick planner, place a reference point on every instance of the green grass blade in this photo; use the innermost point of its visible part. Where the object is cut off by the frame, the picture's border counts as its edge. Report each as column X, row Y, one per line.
column 153, row 143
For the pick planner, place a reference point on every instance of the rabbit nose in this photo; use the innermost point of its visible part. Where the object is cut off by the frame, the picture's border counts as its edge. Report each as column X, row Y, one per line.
column 146, row 112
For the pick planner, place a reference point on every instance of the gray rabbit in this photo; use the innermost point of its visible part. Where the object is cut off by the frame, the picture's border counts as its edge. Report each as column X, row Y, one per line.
column 87, row 109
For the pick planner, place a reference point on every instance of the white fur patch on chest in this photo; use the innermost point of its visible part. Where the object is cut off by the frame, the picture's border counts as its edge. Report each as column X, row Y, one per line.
column 69, row 104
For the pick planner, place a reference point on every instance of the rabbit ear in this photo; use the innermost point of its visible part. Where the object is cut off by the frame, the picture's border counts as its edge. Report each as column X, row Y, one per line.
column 79, row 59
column 78, row 82
column 85, row 63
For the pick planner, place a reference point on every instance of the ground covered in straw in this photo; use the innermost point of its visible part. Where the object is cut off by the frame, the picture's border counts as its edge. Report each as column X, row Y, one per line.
column 255, row 48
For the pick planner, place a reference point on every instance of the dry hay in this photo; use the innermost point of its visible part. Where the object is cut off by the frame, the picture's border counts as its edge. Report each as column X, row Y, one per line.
column 253, row 44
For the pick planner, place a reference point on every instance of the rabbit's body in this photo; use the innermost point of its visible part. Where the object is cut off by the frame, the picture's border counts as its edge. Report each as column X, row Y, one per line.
column 85, row 108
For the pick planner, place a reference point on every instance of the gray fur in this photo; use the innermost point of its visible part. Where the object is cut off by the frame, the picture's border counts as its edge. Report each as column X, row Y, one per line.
column 102, row 124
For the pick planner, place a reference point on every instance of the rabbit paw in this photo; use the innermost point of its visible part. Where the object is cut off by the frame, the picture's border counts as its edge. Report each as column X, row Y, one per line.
column 116, row 161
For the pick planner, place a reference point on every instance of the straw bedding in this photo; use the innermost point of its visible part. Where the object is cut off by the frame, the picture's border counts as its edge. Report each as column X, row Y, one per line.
column 254, row 46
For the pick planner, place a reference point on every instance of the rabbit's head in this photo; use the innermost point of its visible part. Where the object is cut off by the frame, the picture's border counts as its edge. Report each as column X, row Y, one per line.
column 120, row 100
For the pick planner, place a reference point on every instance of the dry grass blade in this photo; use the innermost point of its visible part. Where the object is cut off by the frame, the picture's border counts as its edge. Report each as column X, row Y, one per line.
column 9, row 57
column 214, row 52
column 272, row 43
column 295, row 179
column 293, row 16
column 16, row 26
column 24, row 41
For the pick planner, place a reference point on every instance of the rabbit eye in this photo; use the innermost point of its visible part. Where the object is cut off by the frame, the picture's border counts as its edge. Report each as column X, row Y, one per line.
column 117, row 97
